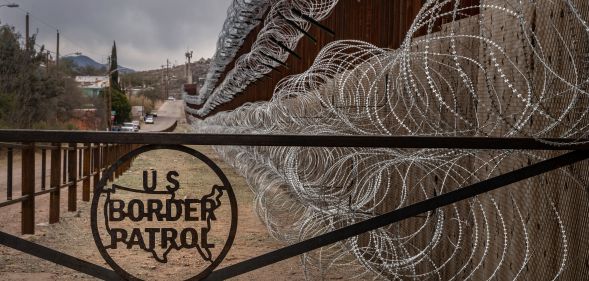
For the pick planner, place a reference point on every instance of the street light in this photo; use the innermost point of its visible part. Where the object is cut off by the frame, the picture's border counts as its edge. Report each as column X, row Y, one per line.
column 13, row 5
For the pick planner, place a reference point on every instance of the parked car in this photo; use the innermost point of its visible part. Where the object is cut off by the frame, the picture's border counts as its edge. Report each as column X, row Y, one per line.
column 149, row 120
column 127, row 128
column 153, row 113
column 137, row 124
column 130, row 125
column 171, row 98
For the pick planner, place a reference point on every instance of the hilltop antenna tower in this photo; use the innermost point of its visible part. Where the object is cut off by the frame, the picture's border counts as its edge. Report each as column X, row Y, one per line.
column 188, row 71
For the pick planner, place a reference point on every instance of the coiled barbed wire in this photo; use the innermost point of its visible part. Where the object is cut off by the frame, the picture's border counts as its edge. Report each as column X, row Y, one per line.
column 517, row 69
column 268, row 50
column 242, row 17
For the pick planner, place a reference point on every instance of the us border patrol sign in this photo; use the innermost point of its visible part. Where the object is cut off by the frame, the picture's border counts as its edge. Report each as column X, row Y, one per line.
column 173, row 222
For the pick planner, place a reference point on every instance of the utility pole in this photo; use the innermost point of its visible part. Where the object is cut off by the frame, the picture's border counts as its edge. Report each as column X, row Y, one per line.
column 109, row 100
column 188, row 71
column 163, row 82
column 27, row 34
column 47, row 54
column 57, row 52
column 167, row 77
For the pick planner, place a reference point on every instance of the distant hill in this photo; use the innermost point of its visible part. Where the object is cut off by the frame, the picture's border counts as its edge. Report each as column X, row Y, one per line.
column 82, row 62
column 153, row 78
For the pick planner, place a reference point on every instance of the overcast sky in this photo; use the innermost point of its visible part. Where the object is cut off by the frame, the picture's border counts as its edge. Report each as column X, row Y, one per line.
column 146, row 31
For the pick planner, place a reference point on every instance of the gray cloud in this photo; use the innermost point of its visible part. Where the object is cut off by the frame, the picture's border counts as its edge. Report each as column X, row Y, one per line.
column 146, row 31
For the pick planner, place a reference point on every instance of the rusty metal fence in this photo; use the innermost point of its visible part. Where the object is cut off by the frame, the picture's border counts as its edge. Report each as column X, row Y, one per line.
column 59, row 166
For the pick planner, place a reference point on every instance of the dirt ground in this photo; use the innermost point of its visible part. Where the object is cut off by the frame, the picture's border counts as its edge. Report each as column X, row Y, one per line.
column 73, row 234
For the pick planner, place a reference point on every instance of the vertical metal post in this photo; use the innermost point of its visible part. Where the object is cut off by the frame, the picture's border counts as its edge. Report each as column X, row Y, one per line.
column 9, row 159
column 55, row 182
column 73, row 185
column 43, row 168
column 109, row 162
column 80, row 158
column 96, row 166
column 119, row 153
column 104, row 163
column 86, row 173
column 112, row 160
column 127, row 150
column 65, row 162
column 28, row 189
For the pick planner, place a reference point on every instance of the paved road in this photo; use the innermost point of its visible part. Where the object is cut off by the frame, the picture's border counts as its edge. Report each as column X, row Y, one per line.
column 167, row 114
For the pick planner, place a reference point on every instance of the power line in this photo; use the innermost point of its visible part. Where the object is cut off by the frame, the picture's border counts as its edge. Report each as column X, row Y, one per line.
column 39, row 20
column 31, row 15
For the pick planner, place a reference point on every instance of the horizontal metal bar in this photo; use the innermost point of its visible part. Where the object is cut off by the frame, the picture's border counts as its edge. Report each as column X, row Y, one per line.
column 291, row 140
column 43, row 192
column 399, row 215
column 14, row 201
column 53, row 189
column 47, row 147
column 47, row 191
column 57, row 257
column 12, row 145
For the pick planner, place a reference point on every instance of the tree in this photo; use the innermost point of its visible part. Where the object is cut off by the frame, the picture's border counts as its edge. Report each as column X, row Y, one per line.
column 153, row 94
column 121, row 105
column 114, row 73
column 32, row 92
column 119, row 102
column 25, row 87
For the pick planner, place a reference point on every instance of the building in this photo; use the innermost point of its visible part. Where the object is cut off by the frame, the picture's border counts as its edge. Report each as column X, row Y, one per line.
column 92, row 85
column 137, row 112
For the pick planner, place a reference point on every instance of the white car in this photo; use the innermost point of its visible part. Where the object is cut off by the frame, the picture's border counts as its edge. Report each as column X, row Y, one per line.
column 171, row 98
column 130, row 125
column 127, row 129
column 149, row 120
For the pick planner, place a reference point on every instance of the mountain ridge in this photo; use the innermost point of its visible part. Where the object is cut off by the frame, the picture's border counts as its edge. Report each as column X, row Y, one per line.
column 81, row 61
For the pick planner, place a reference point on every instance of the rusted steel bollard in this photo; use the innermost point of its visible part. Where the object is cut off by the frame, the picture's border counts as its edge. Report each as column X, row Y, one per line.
column 110, row 161
column 118, row 155
column 55, row 182
column 73, row 185
column 43, row 168
column 9, row 159
column 86, row 173
column 28, row 189
column 96, row 165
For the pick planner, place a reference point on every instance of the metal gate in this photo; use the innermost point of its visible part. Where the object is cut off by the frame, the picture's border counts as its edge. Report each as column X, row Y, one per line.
column 573, row 152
